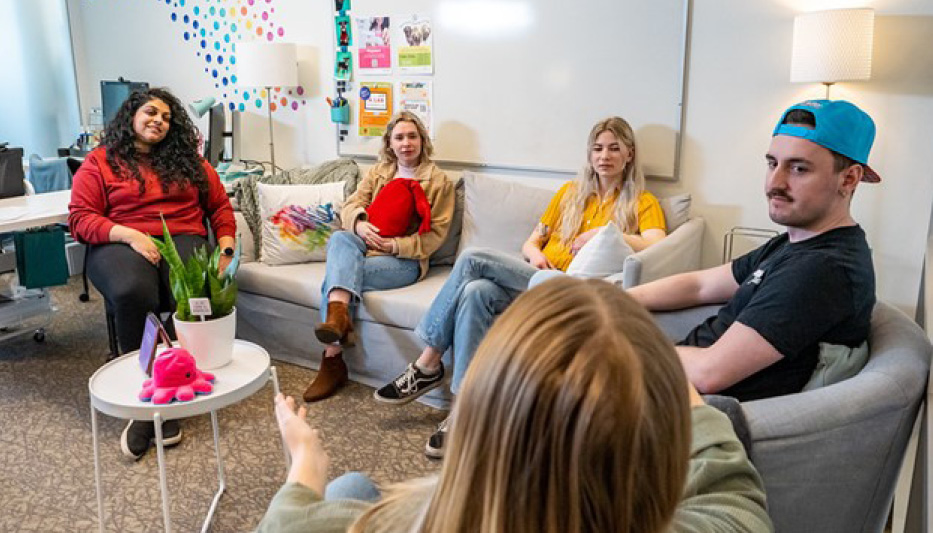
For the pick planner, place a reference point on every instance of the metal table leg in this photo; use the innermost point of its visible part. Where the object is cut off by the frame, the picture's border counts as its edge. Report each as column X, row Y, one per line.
column 100, row 497
column 222, row 484
column 160, row 451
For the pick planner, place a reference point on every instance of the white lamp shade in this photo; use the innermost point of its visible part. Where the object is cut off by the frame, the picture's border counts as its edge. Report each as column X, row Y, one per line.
column 831, row 46
column 262, row 64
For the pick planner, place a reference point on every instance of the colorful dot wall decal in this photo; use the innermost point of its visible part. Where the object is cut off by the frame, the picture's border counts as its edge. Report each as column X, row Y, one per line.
column 216, row 26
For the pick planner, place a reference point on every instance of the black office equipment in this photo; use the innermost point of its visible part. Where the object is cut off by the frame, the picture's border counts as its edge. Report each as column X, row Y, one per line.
column 214, row 149
column 11, row 172
column 114, row 93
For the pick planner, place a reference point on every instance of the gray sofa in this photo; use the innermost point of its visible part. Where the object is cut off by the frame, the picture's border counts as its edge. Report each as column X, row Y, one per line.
column 830, row 457
column 278, row 306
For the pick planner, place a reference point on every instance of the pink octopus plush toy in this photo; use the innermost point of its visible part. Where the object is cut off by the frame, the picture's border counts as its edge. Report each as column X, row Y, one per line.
column 175, row 377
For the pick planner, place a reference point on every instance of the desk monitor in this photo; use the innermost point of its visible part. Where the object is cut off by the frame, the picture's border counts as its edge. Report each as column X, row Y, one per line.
column 114, row 93
column 214, row 148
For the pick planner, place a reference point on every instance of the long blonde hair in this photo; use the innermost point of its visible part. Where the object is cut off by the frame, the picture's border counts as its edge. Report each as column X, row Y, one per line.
column 587, row 184
column 573, row 417
column 386, row 154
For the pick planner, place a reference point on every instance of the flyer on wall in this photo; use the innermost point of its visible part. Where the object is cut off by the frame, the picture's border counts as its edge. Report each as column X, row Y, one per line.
column 375, row 108
column 373, row 45
column 415, row 96
column 414, row 40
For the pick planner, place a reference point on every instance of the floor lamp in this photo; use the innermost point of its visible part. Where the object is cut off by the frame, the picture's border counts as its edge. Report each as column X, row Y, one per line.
column 831, row 46
column 267, row 65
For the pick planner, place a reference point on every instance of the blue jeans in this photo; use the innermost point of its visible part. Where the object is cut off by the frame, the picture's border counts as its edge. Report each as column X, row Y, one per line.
column 348, row 268
column 543, row 275
column 481, row 285
column 352, row 486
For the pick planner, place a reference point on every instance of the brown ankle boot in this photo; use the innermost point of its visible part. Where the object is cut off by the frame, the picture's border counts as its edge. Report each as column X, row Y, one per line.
column 331, row 376
column 338, row 324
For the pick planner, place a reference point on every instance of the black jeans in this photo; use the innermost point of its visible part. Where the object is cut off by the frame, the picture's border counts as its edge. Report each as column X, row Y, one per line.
column 132, row 286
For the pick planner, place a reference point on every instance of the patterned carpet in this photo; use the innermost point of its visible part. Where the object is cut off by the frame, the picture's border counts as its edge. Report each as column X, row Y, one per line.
column 46, row 451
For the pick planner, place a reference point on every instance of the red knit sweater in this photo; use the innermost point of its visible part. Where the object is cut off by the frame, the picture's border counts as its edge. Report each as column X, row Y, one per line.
column 100, row 200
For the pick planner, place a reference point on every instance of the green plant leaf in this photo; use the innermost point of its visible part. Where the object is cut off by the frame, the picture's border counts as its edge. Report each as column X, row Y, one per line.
column 223, row 297
column 180, row 293
column 167, row 248
column 194, row 275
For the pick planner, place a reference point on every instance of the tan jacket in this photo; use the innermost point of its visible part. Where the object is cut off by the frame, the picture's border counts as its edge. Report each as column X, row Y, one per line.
column 437, row 188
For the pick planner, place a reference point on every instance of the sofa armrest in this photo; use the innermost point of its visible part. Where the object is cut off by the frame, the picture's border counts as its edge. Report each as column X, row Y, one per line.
column 245, row 238
column 676, row 324
column 676, row 253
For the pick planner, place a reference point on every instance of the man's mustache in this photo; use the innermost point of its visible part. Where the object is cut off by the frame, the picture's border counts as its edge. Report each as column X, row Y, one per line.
column 775, row 193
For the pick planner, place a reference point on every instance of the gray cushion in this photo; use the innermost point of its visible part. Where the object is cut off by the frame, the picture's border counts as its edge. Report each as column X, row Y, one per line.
column 500, row 214
column 247, row 198
column 298, row 284
column 447, row 253
column 676, row 210
column 837, row 363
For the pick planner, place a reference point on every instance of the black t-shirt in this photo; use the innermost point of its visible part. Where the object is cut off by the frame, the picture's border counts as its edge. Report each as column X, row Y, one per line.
column 797, row 295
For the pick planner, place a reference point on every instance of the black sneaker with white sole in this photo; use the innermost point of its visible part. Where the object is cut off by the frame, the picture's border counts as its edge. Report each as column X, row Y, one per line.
column 411, row 384
column 139, row 435
column 435, row 446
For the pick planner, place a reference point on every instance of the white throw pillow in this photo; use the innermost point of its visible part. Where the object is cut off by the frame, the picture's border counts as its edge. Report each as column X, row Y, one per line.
column 602, row 256
column 297, row 220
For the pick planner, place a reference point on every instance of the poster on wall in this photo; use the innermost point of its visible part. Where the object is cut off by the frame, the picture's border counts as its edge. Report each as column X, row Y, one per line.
column 414, row 41
column 343, row 66
column 415, row 96
column 373, row 45
column 343, row 32
column 375, row 108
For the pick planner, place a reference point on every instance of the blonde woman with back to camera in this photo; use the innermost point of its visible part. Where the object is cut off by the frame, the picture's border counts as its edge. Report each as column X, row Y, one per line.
column 575, row 416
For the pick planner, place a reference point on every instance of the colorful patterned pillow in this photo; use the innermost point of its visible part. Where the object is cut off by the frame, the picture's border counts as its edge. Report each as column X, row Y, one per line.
column 297, row 221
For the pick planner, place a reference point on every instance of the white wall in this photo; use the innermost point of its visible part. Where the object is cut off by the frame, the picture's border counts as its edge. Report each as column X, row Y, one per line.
column 738, row 86
column 38, row 102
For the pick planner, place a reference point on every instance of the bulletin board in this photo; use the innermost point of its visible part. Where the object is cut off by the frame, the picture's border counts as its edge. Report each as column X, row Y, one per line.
column 518, row 84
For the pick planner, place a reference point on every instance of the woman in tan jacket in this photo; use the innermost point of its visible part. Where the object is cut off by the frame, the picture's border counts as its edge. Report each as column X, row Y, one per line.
column 413, row 201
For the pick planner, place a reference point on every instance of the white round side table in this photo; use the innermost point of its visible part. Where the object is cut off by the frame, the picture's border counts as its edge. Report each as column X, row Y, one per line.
column 115, row 386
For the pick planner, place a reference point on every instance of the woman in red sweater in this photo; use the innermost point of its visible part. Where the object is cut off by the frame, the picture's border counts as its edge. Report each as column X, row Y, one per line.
column 147, row 165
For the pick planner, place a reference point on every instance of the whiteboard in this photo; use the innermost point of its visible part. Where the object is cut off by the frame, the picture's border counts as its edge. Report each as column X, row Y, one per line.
column 519, row 83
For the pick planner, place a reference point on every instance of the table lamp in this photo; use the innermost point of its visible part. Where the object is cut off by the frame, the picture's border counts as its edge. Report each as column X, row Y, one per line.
column 202, row 106
column 267, row 65
column 831, row 46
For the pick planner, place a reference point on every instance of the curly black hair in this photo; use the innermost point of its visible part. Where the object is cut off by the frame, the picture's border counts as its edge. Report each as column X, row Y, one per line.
column 175, row 159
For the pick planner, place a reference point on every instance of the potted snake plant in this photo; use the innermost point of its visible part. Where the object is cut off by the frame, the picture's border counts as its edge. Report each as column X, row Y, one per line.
column 208, row 336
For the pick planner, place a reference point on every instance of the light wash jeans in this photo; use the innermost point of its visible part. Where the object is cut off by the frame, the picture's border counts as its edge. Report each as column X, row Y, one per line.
column 543, row 275
column 481, row 285
column 352, row 486
column 348, row 268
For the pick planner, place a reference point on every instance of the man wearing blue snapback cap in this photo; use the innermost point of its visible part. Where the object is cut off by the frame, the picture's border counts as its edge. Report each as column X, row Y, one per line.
column 813, row 284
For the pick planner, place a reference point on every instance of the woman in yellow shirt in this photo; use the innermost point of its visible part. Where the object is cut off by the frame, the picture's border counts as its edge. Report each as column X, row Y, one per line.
column 484, row 282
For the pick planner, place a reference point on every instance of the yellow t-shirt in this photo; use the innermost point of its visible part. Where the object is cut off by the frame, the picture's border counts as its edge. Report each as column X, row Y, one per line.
column 596, row 214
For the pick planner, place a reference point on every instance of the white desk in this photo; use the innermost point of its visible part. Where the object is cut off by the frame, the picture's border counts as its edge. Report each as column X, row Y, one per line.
column 23, row 212
column 115, row 386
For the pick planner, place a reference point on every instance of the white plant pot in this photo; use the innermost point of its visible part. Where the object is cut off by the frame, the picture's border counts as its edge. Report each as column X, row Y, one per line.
column 210, row 342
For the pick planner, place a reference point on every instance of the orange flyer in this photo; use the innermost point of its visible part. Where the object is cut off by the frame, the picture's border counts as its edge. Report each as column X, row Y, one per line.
column 375, row 108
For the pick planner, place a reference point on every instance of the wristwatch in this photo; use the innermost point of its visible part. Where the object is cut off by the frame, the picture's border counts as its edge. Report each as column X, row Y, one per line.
column 228, row 251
